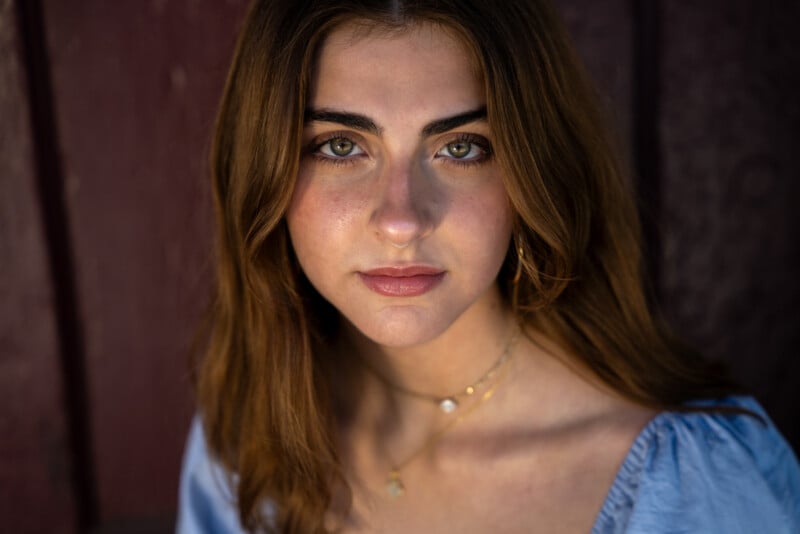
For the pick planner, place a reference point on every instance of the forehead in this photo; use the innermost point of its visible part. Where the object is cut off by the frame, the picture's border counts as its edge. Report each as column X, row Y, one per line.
column 422, row 64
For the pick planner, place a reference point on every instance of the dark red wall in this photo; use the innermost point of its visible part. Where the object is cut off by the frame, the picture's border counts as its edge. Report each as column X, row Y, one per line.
column 105, row 114
column 107, row 109
column 35, row 457
column 134, row 89
column 729, row 126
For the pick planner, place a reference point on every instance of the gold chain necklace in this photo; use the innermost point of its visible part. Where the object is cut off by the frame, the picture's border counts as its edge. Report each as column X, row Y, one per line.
column 394, row 484
column 449, row 403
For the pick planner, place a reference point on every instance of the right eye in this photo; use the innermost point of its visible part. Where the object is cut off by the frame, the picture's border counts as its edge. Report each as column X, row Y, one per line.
column 339, row 147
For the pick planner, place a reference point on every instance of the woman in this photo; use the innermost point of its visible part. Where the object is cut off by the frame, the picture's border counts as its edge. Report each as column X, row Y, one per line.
column 429, row 313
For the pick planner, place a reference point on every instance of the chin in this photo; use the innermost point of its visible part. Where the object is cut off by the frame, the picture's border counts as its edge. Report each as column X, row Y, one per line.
column 400, row 328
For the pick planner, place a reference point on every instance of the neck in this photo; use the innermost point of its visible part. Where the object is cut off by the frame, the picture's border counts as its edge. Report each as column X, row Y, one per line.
column 381, row 425
column 444, row 365
column 379, row 377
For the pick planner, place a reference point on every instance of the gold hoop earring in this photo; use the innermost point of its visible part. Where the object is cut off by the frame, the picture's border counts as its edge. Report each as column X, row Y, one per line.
column 520, row 255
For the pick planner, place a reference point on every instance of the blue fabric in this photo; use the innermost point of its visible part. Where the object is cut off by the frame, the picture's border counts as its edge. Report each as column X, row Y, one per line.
column 206, row 503
column 685, row 473
column 706, row 472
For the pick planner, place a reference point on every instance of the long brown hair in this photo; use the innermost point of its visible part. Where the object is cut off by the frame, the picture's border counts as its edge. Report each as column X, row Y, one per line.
column 262, row 393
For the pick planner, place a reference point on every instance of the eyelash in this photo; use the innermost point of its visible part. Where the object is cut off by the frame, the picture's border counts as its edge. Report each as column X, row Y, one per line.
column 315, row 146
column 477, row 140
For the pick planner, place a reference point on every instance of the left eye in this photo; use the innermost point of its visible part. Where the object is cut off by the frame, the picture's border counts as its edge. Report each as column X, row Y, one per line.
column 340, row 147
column 462, row 150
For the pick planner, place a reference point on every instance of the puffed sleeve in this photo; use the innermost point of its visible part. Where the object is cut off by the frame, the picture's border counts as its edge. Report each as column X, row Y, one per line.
column 706, row 472
column 206, row 503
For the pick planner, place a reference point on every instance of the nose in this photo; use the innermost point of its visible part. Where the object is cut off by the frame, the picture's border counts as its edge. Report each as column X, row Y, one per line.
column 403, row 211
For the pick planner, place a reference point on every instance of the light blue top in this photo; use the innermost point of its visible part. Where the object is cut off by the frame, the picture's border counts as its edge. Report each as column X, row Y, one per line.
column 685, row 473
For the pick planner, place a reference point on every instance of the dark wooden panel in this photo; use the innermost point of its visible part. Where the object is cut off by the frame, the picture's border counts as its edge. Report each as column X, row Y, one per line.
column 135, row 89
column 603, row 35
column 730, row 127
column 34, row 447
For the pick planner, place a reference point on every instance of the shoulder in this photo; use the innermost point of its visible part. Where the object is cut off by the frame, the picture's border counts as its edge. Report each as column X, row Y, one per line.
column 706, row 471
column 207, row 503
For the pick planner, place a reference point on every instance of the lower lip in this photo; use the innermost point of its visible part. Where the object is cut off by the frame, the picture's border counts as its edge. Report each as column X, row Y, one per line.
column 401, row 286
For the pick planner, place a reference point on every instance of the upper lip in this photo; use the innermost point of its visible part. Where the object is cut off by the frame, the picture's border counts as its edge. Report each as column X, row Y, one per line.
column 403, row 271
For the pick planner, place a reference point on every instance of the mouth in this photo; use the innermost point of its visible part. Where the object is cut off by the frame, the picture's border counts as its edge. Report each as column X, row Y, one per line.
column 405, row 281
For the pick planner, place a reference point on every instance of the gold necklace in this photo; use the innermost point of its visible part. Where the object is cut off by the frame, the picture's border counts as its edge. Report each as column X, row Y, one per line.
column 449, row 403
column 394, row 484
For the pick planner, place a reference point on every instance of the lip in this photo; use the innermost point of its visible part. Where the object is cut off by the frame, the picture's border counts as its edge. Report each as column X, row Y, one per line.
column 402, row 281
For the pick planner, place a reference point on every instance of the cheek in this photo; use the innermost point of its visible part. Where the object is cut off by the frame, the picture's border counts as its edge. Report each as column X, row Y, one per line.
column 320, row 221
column 485, row 222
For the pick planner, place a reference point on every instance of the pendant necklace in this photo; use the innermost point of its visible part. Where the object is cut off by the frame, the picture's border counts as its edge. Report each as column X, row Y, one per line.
column 394, row 484
column 449, row 403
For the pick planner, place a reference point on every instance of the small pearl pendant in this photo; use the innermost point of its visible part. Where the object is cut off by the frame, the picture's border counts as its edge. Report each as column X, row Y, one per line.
column 448, row 405
column 394, row 487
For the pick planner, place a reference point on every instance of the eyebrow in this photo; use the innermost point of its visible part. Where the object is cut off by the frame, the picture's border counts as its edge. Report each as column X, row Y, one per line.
column 365, row 124
column 351, row 120
column 448, row 123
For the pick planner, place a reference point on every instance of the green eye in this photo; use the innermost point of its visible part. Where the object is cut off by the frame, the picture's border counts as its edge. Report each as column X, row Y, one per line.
column 341, row 146
column 338, row 148
column 459, row 149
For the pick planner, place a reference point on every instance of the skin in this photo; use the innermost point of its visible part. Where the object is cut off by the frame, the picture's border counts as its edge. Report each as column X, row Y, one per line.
column 387, row 191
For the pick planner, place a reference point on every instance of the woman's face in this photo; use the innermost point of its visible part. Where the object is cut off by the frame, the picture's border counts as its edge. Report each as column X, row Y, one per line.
column 399, row 217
